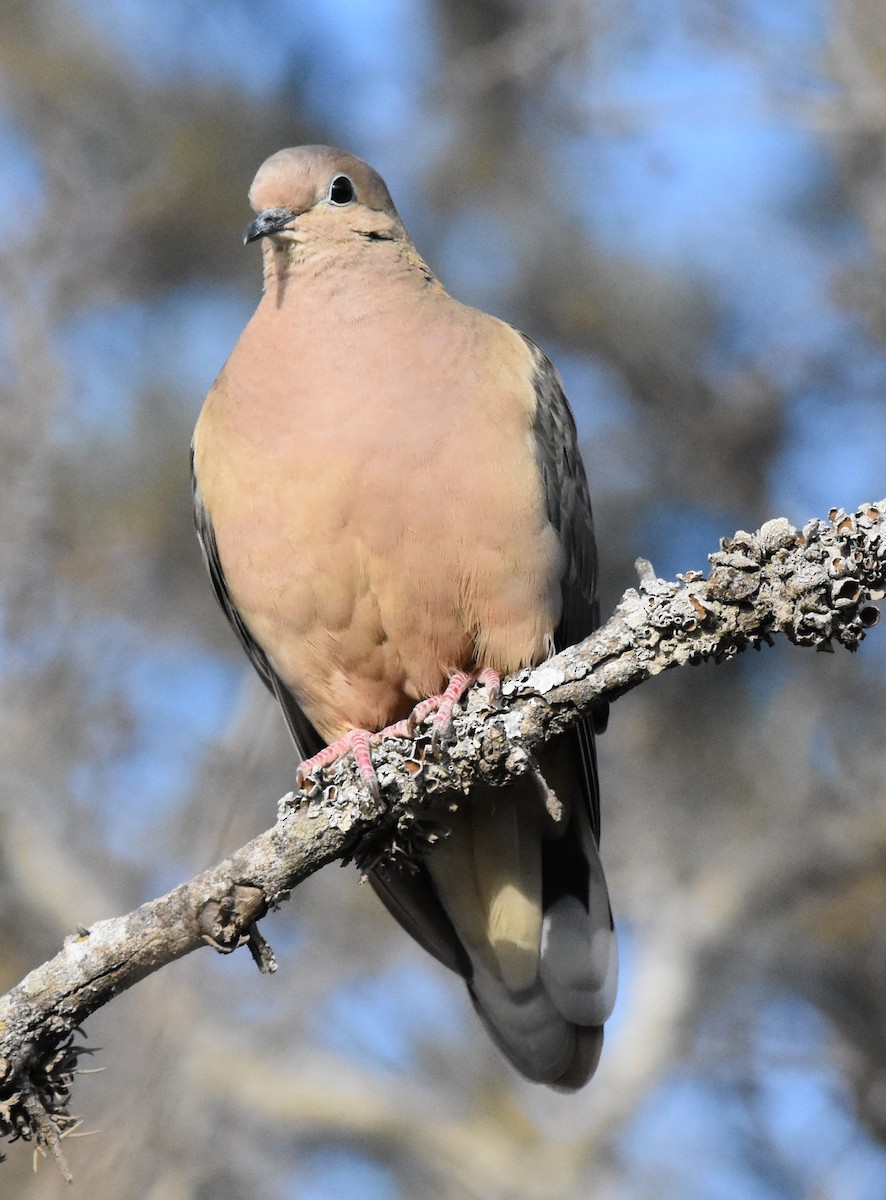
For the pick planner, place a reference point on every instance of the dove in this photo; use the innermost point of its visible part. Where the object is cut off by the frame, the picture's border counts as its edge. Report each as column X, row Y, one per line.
column 392, row 507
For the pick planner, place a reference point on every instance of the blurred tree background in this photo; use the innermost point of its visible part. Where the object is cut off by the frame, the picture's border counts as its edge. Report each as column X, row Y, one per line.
column 684, row 201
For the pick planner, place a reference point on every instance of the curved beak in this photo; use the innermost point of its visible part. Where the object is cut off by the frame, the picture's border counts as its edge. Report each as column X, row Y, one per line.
column 272, row 220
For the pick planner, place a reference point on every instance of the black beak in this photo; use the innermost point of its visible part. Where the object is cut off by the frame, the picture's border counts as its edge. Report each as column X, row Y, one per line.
column 271, row 221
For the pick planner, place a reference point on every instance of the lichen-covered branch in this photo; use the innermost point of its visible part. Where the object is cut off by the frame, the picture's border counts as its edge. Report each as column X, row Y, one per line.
column 818, row 586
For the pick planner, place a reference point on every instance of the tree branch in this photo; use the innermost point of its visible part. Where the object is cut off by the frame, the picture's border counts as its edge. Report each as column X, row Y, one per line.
column 817, row 586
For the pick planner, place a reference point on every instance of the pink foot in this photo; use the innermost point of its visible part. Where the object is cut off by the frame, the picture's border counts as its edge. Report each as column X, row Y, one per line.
column 356, row 742
column 359, row 741
column 443, row 704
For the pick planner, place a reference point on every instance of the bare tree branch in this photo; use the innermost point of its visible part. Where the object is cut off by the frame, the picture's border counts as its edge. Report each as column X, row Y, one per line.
column 818, row 586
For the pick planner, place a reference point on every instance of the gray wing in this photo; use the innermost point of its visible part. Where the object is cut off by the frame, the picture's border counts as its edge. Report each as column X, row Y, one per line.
column 307, row 740
column 569, row 511
column 567, row 500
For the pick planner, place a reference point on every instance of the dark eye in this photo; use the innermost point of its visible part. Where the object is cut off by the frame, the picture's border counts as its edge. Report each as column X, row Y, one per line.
column 341, row 190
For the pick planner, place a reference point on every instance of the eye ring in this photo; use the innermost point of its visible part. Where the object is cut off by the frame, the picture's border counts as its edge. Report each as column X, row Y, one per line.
column 341, row 191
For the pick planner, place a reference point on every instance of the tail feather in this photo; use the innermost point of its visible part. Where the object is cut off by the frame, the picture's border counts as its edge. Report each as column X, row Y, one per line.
column 579, row 954
column 588, row 1048
column 505, row 833
column 526, row 1026
column 518, row 887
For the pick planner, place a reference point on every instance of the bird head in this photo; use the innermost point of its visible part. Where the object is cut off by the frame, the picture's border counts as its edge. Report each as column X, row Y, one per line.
column 318, row 193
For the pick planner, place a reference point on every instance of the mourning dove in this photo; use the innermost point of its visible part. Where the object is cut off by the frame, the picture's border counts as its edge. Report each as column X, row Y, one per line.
column 391, row 504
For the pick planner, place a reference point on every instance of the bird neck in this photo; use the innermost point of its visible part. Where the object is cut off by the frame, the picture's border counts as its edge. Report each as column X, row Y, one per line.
column 342, row 267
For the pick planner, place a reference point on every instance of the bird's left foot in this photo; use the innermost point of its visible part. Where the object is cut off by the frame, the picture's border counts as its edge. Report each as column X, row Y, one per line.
column 443, row 704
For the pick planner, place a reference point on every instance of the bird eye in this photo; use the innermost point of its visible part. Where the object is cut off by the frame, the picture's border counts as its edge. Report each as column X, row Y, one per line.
column 341, row 190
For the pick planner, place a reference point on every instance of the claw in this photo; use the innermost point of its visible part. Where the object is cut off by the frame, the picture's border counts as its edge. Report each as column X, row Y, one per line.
column 456, row 688
column 360, row 739
column 444, row 704
column 491, row 680
column 355, row 742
